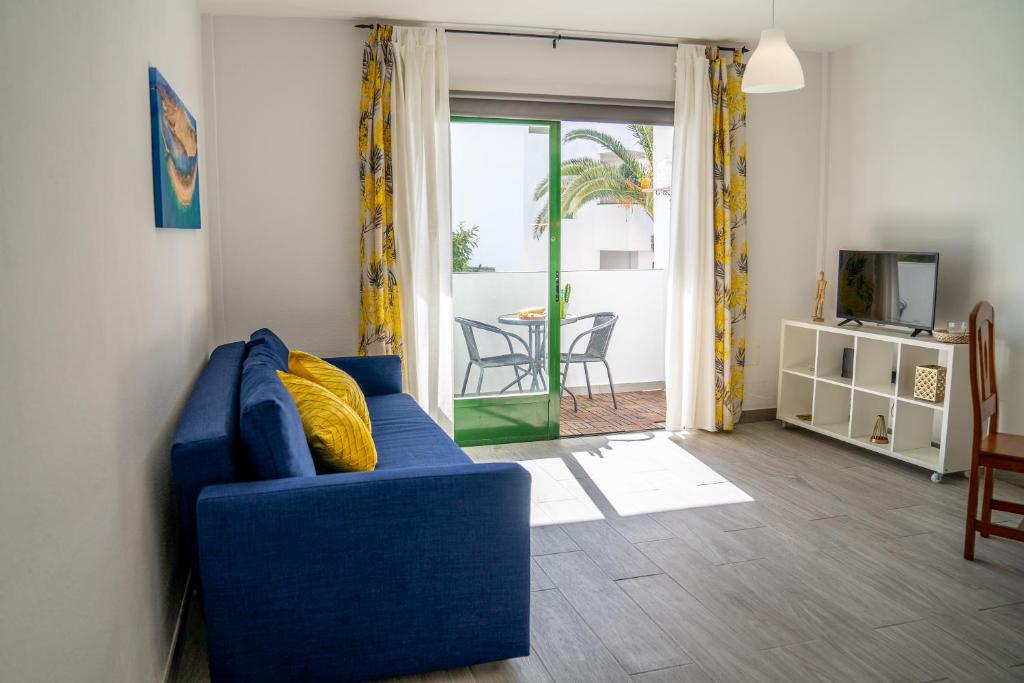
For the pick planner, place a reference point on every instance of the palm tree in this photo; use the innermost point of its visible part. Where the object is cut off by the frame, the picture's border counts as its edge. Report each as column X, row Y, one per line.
column 627, row 182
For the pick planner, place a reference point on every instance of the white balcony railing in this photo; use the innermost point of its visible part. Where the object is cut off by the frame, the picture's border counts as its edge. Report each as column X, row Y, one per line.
column 637, row 350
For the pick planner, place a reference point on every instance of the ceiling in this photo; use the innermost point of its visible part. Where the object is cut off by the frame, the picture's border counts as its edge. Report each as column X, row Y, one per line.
column 821, row 25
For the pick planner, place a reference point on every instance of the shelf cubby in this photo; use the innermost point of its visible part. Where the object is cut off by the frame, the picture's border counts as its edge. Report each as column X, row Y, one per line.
column 867, row 407
column 910, row 358
column 830, row 356
column 919, row 435
column 874, row 366
column 831, row 411
column 798, row 396
column 799, row 348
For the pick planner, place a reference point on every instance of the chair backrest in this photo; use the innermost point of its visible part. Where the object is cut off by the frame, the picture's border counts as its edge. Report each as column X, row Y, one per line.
column 983, row 369
column 599, row 340
column 467, row 332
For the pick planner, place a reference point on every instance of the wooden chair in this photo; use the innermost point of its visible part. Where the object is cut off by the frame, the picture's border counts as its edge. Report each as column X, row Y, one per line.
column 992, row 450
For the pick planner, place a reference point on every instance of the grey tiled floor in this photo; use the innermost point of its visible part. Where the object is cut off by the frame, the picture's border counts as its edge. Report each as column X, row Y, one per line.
column 842, row 567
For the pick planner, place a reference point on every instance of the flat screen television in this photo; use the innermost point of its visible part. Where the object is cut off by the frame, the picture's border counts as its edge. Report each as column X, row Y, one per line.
column 889, row 287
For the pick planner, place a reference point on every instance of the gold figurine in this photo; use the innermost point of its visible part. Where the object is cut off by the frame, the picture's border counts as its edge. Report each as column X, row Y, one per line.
column 819, row 299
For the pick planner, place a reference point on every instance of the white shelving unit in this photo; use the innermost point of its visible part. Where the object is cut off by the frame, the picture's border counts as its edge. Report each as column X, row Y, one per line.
column 935, row 436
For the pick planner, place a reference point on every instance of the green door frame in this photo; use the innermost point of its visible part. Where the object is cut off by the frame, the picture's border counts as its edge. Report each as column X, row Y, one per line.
column 530, row 417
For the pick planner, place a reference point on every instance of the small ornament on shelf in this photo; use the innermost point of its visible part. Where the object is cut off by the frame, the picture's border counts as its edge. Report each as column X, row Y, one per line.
column 819, row 299
column 955, row 333
column 847, row 368
column 930, row 383
column 880, row 434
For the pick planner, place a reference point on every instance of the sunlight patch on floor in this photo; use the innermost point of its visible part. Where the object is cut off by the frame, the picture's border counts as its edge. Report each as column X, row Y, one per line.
column 556, row 497
column 645, row 473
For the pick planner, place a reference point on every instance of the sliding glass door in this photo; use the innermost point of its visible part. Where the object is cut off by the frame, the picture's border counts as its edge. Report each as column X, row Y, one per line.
column 505, row 275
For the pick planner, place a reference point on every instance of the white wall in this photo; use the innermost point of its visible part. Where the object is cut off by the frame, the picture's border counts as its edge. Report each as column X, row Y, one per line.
column 926, row 142
column 783, row 184
column 606, row 227
column 284, row 99
column 105, row 322
column 528, row 65
column 637, row 350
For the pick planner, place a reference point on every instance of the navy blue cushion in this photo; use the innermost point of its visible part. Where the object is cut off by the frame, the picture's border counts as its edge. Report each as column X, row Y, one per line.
column 270, row 425
column 375, row 375
column 277, row 347
column 405, row 436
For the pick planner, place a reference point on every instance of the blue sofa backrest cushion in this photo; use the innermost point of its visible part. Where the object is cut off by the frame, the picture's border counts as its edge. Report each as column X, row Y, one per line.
column 270, row 425
column 206, row 449
column 278, row 349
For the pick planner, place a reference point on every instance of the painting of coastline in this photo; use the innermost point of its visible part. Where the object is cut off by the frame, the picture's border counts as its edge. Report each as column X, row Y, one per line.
column 175, row 157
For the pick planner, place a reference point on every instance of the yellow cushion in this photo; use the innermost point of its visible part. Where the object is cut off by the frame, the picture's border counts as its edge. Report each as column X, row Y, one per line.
column 336, row 434
column 335, row 380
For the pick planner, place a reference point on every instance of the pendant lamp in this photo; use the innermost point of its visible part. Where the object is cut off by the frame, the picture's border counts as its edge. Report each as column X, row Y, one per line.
column 774, row 66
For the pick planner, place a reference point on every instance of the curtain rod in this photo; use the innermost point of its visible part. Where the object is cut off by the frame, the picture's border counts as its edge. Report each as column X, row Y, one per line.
column 558, row 36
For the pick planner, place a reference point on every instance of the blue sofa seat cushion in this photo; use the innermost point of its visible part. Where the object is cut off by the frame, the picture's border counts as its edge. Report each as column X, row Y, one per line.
column 269, row 421
column 405, row 436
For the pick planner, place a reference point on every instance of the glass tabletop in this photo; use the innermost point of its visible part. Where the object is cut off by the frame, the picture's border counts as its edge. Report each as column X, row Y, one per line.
column 514, row 319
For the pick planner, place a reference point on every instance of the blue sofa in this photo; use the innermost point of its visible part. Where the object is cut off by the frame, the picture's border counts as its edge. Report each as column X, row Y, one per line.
column 422, row 564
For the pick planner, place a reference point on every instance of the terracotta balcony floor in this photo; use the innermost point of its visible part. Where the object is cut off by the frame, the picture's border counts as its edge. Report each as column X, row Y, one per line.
column 638, row 411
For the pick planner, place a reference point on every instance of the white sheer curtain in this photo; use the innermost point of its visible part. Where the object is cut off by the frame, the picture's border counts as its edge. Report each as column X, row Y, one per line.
column 690, row 325
column 422, row 206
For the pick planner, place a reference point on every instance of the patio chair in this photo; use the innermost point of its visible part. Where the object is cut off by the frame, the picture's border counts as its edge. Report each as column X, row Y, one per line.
column 506, row 360
column 600, row 336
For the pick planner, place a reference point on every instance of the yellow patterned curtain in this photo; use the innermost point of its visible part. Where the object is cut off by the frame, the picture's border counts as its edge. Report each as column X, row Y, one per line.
column 729, row 128
column 380, row 319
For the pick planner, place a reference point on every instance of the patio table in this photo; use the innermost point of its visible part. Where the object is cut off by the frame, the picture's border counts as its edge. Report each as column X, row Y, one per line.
column 535, row 342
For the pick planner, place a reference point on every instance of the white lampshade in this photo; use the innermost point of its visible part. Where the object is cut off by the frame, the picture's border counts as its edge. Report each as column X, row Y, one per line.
column 774, row 66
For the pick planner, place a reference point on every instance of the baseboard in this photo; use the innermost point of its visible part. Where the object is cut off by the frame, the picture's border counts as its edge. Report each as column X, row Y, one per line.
column 619, row 388
column 179, row 625
column 758, row 415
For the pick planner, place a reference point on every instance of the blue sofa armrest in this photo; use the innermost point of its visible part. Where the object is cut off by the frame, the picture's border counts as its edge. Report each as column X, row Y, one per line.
column 375, row 375
column 358, row 576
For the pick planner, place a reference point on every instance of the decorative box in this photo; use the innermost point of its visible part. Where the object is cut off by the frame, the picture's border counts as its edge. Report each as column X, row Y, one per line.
column 930, row 383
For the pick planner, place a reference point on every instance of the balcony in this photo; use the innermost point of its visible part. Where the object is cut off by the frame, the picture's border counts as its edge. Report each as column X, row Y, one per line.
column 635, row 353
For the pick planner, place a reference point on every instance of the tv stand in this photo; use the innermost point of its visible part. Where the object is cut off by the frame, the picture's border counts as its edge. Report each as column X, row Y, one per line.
column 814, row 395
column 919, row 330
column 851, row 320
